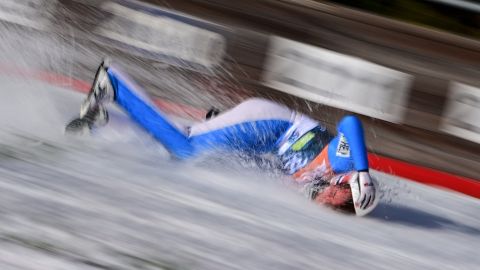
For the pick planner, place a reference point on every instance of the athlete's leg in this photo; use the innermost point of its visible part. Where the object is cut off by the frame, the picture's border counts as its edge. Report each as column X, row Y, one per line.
column 139, row 106
column 253, row 126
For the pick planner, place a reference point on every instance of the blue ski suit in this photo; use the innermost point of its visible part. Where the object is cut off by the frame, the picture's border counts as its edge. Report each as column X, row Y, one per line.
column 255, row 126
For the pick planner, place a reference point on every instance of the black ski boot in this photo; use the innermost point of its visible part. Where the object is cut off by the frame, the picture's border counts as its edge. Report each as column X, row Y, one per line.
column 97, row 116
column 92, row 111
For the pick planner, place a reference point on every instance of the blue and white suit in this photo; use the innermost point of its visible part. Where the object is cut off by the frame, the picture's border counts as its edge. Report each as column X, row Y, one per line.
column 255, row 126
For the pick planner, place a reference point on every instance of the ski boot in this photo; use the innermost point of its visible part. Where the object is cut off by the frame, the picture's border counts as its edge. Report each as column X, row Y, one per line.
column 93, row 112
column 95, row 117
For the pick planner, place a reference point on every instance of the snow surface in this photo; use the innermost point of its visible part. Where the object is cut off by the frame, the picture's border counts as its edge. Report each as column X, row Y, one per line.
column 116, row 201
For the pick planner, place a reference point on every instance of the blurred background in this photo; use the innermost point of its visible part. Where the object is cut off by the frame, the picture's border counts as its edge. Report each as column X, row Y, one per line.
column 409, row 68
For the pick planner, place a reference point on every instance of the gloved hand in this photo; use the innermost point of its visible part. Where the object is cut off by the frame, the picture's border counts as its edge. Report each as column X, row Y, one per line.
column 367, row 190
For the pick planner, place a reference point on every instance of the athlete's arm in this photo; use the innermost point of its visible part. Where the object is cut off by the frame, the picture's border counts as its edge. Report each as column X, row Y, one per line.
column 351, row 127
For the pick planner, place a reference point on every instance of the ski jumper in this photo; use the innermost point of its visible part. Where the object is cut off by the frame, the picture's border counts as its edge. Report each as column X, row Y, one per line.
column 256, row 126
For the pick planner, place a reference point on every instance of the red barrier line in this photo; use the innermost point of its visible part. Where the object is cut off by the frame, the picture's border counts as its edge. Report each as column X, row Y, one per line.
column 425, row 175
column 391, row 166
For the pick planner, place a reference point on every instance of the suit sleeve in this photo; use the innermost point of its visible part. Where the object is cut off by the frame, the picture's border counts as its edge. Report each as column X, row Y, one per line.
column 351, row 127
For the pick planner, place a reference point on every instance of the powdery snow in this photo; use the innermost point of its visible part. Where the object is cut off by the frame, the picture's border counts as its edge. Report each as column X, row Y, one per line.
column 115, row 201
